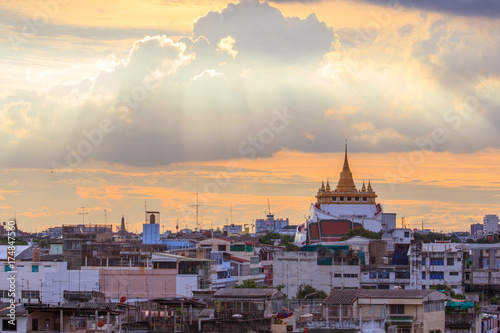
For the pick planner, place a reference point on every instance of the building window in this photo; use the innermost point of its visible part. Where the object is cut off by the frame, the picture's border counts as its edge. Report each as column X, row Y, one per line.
column 47, row 324
column 7, row 268
column 34, row 268
column 467, row 276
column 453, row 273
column 34, row 324
column 436, row 276
column 433, row 306
column 423, row 262
column 373, row 275
column 221, row 247
column 7, row 326
column 341, row 198
column 356, row 199
column 350, row 275
column 383, row 286
column 407, row 234
column 423, row 275
column 402, row 275
column 349, row 198
column 450, row 261
column 383, row 275
column 437, row 262
column 364, row 198
column 30, row 294
column 164, row 265
column 397, row 309
column 337, row 275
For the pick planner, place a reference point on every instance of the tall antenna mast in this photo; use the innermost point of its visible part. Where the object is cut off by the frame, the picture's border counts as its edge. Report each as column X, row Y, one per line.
column 269, row 206
column 105, row 217
column 83, row 214
column 197, row 205
column 145, row 210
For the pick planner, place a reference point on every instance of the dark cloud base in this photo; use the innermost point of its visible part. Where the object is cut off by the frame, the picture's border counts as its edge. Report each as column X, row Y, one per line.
column 482, row 8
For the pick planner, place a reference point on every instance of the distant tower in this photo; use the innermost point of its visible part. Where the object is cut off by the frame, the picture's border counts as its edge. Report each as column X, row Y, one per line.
column 122, row 227
column 123, row 231
column 151, row 230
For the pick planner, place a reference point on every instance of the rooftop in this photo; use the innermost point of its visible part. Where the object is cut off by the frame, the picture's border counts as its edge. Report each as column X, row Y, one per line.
column 348, row 296
column 241, row 293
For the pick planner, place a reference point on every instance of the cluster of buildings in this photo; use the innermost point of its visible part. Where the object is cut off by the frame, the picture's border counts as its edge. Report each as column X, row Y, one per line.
column 92, row 279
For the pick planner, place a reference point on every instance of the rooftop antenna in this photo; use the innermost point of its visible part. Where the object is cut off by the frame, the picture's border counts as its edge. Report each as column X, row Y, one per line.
column 145, row 210
column 83, row 213
column 105, row 217
column 269, row 206
column 197, row 205
column 177, row 226
column 231, row 208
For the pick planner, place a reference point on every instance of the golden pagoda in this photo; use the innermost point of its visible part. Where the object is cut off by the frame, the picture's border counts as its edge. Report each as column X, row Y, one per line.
column 346, row 191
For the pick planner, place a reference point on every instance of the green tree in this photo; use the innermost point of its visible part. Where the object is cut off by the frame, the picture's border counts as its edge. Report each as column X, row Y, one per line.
column 361, row 232
column 311, row 291
column 287, row 239
column 249, row 284
column 268, row 239
column 291, row 247
column 280, row 288
column 43, row 244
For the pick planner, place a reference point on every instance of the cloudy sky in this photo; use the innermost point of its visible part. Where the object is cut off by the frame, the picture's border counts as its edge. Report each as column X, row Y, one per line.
column 108, row 105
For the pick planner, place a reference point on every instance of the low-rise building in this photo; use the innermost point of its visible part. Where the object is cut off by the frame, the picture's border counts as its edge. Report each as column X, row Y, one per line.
column 323, row 271
column 409, row 310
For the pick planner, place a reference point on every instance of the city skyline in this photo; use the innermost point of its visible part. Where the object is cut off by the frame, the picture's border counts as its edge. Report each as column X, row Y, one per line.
column 108, row 105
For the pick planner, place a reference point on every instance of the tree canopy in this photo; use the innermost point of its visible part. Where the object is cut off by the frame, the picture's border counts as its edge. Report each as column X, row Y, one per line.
column 270, row 237
column 361, row 232
column 310, row 292
column 249, row 284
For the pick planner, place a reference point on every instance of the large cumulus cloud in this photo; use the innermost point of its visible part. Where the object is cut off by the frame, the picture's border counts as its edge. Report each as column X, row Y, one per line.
column 234, row 81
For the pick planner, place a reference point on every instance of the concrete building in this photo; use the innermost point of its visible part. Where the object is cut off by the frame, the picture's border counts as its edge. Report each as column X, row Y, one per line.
column 442, row 263
column 166, row 275
column 340, row 270
column 221, row 275
column 410, row 311
column 490, row 225
column 476, row 230
column 270, row 224
column 232, row 229
column 482, row 269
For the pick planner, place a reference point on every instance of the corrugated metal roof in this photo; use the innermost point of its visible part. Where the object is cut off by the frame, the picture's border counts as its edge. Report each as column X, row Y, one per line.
column 242, row 293
column 20, row 311
column 347, row 296
column 18, row 250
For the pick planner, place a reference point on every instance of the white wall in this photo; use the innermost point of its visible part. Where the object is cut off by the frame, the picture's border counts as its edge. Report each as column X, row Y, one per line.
column 51, row 280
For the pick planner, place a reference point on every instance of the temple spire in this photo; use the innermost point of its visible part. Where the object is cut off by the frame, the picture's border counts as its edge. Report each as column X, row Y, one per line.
column 346, row 163
column 346, row 183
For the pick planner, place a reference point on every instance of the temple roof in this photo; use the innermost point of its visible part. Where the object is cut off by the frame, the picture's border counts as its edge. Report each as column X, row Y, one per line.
column 346, row 183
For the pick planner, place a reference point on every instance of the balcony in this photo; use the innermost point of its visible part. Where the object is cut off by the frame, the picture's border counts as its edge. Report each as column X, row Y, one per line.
column 459, row 320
